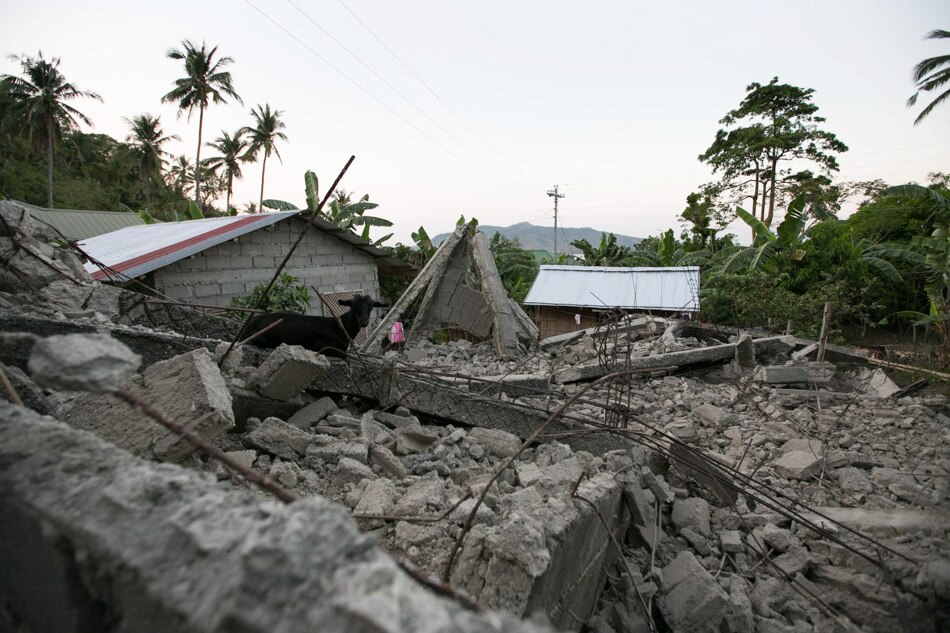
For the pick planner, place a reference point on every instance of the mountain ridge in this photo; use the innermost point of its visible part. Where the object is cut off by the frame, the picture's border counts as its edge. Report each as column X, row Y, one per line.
column 533, row 237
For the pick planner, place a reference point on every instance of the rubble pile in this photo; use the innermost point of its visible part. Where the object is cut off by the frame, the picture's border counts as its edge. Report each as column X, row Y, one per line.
column 744, row 487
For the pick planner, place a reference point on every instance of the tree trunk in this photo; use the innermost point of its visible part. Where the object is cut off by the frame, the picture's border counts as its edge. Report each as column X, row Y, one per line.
column 49, row 166
column 148, row 199
column 774, row 177
column 227, row 203
column 260, row 204
column 201, row 122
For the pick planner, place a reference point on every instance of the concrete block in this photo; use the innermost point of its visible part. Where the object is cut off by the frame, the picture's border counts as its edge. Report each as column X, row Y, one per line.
column 313, row 413
column 692, row 512
column 188, row 388
column 378, row 498
column 691, row 600
column 496, row 441
column 426, row 495
column 798, row 465
column 410, row 439
column 713, row 416
column 351, row 471
column 387, row 462
column 207, row 290
column 287, row 371
column 276, row 437
column 82, row 362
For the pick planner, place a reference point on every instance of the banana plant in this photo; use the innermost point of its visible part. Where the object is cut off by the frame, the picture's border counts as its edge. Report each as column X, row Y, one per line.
column 345, row 214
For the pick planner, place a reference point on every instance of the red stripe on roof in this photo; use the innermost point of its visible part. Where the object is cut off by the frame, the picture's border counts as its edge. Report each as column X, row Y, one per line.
column 171, row 248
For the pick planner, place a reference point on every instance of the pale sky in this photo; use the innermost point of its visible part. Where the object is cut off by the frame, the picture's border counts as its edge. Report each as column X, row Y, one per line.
column 613, row 101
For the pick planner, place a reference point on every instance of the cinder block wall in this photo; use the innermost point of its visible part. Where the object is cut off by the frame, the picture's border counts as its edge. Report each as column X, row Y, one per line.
column 233, row 268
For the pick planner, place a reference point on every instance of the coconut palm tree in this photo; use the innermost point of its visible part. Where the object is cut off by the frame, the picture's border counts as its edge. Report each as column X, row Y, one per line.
column 204, row 82
column 145, row 145
column 263, row 137
column 39, row 99
column 931, row 74
column 181, row 177
column 232, row 149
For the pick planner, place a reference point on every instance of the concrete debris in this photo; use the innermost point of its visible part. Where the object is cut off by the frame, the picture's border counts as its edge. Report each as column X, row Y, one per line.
column 692, row 601
column 288, row 370
column 76, row 362
column 677, row 511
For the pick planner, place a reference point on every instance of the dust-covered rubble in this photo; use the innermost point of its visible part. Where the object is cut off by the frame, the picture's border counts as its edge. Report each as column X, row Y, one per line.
column 752, row 491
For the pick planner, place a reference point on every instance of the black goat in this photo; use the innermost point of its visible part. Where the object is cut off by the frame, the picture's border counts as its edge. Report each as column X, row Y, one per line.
column 320, row 334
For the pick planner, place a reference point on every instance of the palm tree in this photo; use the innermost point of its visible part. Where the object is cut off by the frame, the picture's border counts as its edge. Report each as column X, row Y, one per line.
column 204, row 83
column 264, row 136
column 928, row 75
column 231, row 149
column 39, row 102
column 181, row 176
column 145, row 144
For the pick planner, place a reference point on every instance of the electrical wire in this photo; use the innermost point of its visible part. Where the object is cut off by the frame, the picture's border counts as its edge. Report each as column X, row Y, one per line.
column 375, row 98
column 433, row 92
column 394, row 88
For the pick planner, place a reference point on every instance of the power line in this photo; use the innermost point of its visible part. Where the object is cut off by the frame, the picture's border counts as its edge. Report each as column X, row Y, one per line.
column 377, row 99
column 434, row 94
column 392, row 87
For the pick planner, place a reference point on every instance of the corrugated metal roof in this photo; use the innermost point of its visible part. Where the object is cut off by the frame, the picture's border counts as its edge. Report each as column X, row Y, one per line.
column 673, row 288
column 78, row 224
column 137, row 250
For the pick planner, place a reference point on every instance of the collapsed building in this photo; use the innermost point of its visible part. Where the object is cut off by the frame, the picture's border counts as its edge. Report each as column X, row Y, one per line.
column 647, row 474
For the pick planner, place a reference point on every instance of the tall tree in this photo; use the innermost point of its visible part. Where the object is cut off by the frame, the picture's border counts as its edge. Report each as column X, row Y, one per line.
column 145, row 144
column 231, row 149
column 181, row 177
column 263, row 137
column 930, row 75
column 204, row 83
column 39, row 98
column 773, row 126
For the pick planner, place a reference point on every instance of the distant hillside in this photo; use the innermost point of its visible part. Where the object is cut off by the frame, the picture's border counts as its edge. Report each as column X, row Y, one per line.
column 534, row 237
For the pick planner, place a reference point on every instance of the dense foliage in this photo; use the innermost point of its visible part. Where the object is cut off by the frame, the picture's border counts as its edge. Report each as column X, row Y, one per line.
column 287, row 295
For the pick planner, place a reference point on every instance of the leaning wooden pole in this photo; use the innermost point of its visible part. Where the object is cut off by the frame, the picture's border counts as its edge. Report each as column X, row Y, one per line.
column 823, row 341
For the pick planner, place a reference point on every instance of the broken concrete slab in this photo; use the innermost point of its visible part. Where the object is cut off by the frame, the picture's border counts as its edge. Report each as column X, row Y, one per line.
column 279, row 438
column 799, row 464
column 155, row 539
column 288, row 370
column 188, row 388
column 812, row 373
column 691, row 599
column 496, row 441
column 436, row 398
column 377, row 499
column 312, row 413
column 636, row 325
column 83, row 362
column 892, row 521
column 693, row 513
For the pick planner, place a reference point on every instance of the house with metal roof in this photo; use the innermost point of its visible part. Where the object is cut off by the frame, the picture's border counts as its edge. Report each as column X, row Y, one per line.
column 212, row 260
column 76, row 224
column 569, row 298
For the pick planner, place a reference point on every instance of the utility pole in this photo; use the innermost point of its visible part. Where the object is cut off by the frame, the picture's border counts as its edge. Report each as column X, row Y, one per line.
column 554, row 194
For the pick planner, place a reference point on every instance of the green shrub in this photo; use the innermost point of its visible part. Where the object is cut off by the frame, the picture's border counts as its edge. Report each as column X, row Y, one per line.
column 286, row 295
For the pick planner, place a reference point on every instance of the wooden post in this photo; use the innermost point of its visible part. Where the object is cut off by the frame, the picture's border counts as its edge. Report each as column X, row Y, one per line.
column 823, row 341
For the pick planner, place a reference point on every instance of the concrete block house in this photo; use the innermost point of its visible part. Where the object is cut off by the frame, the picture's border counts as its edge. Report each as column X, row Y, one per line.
column 210, row 261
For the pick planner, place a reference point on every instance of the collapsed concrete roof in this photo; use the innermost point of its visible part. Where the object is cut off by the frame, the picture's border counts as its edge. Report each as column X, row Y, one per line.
column 462, row 289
